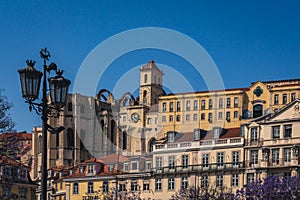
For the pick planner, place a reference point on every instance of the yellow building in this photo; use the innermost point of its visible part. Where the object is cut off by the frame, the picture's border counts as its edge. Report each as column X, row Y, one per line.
column 170, row 141
column 95, row 180
column 225, row 108
column 15, row 182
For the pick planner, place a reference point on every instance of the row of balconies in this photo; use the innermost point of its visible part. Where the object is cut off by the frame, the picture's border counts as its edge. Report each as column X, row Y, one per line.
column 225, row 166
column 272, row 163
column 199, row 144
column 278, row 141
column 199, row 167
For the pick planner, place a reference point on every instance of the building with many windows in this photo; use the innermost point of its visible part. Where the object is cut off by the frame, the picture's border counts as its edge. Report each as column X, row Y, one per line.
column 15, row 182
column 158, row 143
column 272, row 144
column 198, row 159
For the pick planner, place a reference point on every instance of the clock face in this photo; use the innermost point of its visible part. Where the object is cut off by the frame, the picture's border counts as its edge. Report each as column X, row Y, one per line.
column 135, row 117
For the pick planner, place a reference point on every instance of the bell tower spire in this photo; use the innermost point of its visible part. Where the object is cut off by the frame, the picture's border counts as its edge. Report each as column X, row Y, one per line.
column 150, row 84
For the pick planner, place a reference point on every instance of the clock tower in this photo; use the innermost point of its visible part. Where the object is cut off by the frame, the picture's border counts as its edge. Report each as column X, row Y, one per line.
column 150, row 84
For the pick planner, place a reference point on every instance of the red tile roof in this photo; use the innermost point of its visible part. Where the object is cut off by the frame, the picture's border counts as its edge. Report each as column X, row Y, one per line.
column 93, row 160
column 5, row 160
column 113, row 158
column 62, row 168
column 17, row 135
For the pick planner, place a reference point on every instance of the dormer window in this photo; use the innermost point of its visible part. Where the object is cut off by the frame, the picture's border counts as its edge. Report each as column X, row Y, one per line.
column 242, row 130
column 216, row 132
column 197, row 134
column 23, row 174
column 81, row 170
column 126, row 167
column 110, row 167
column 90, row 168
column 170, row 136
column 134, row 165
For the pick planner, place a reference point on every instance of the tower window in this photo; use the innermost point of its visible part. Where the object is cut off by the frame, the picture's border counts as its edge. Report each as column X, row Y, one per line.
column 145, row 78
column 145, row 97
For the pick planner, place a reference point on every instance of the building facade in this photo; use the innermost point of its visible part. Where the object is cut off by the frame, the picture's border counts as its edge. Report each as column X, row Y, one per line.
column 15, row 182
column 272, row 144
column 166, row 142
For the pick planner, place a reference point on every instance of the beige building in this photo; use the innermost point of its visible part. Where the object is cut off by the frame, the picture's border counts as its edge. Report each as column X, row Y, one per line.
column 198, row 159
column 183, row 139
column 272, row 144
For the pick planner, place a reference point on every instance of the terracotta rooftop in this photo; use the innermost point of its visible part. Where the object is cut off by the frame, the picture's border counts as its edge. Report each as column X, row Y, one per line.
column 113, row 158
column 102, row 173
column 92, row 160
column 17, row 135
column 104, row 169
column 5, row 160
column 62, row 168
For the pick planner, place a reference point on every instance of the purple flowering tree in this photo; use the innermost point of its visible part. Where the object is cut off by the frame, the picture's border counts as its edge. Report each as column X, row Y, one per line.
column 211, row 192
column 272, row 187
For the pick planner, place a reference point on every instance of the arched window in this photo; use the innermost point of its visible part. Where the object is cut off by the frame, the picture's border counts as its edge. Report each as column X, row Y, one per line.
column 40, row 144
column 102, row 133
column 82, row 107
column 145, row 97
column 113, row 132
column 82, row 138
column 70, row 106
column 70, row 137
column 57, row 139
column 151, row 144
column 124, row 140
column 257, row 110
column 149, row 121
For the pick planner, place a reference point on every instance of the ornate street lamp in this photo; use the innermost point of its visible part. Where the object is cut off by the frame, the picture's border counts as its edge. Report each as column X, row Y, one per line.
column 30, row 84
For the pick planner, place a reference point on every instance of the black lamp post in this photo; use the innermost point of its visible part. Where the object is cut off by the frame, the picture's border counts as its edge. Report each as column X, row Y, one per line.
column 30, row 83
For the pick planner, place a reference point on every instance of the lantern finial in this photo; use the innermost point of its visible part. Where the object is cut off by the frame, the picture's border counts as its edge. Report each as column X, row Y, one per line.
column 30, row 63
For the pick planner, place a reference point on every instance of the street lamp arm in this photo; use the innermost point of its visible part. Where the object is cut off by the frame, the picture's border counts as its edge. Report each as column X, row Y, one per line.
column 38, row 108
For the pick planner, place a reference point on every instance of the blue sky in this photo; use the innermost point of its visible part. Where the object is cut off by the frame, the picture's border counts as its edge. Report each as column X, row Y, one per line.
column 248, row 40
